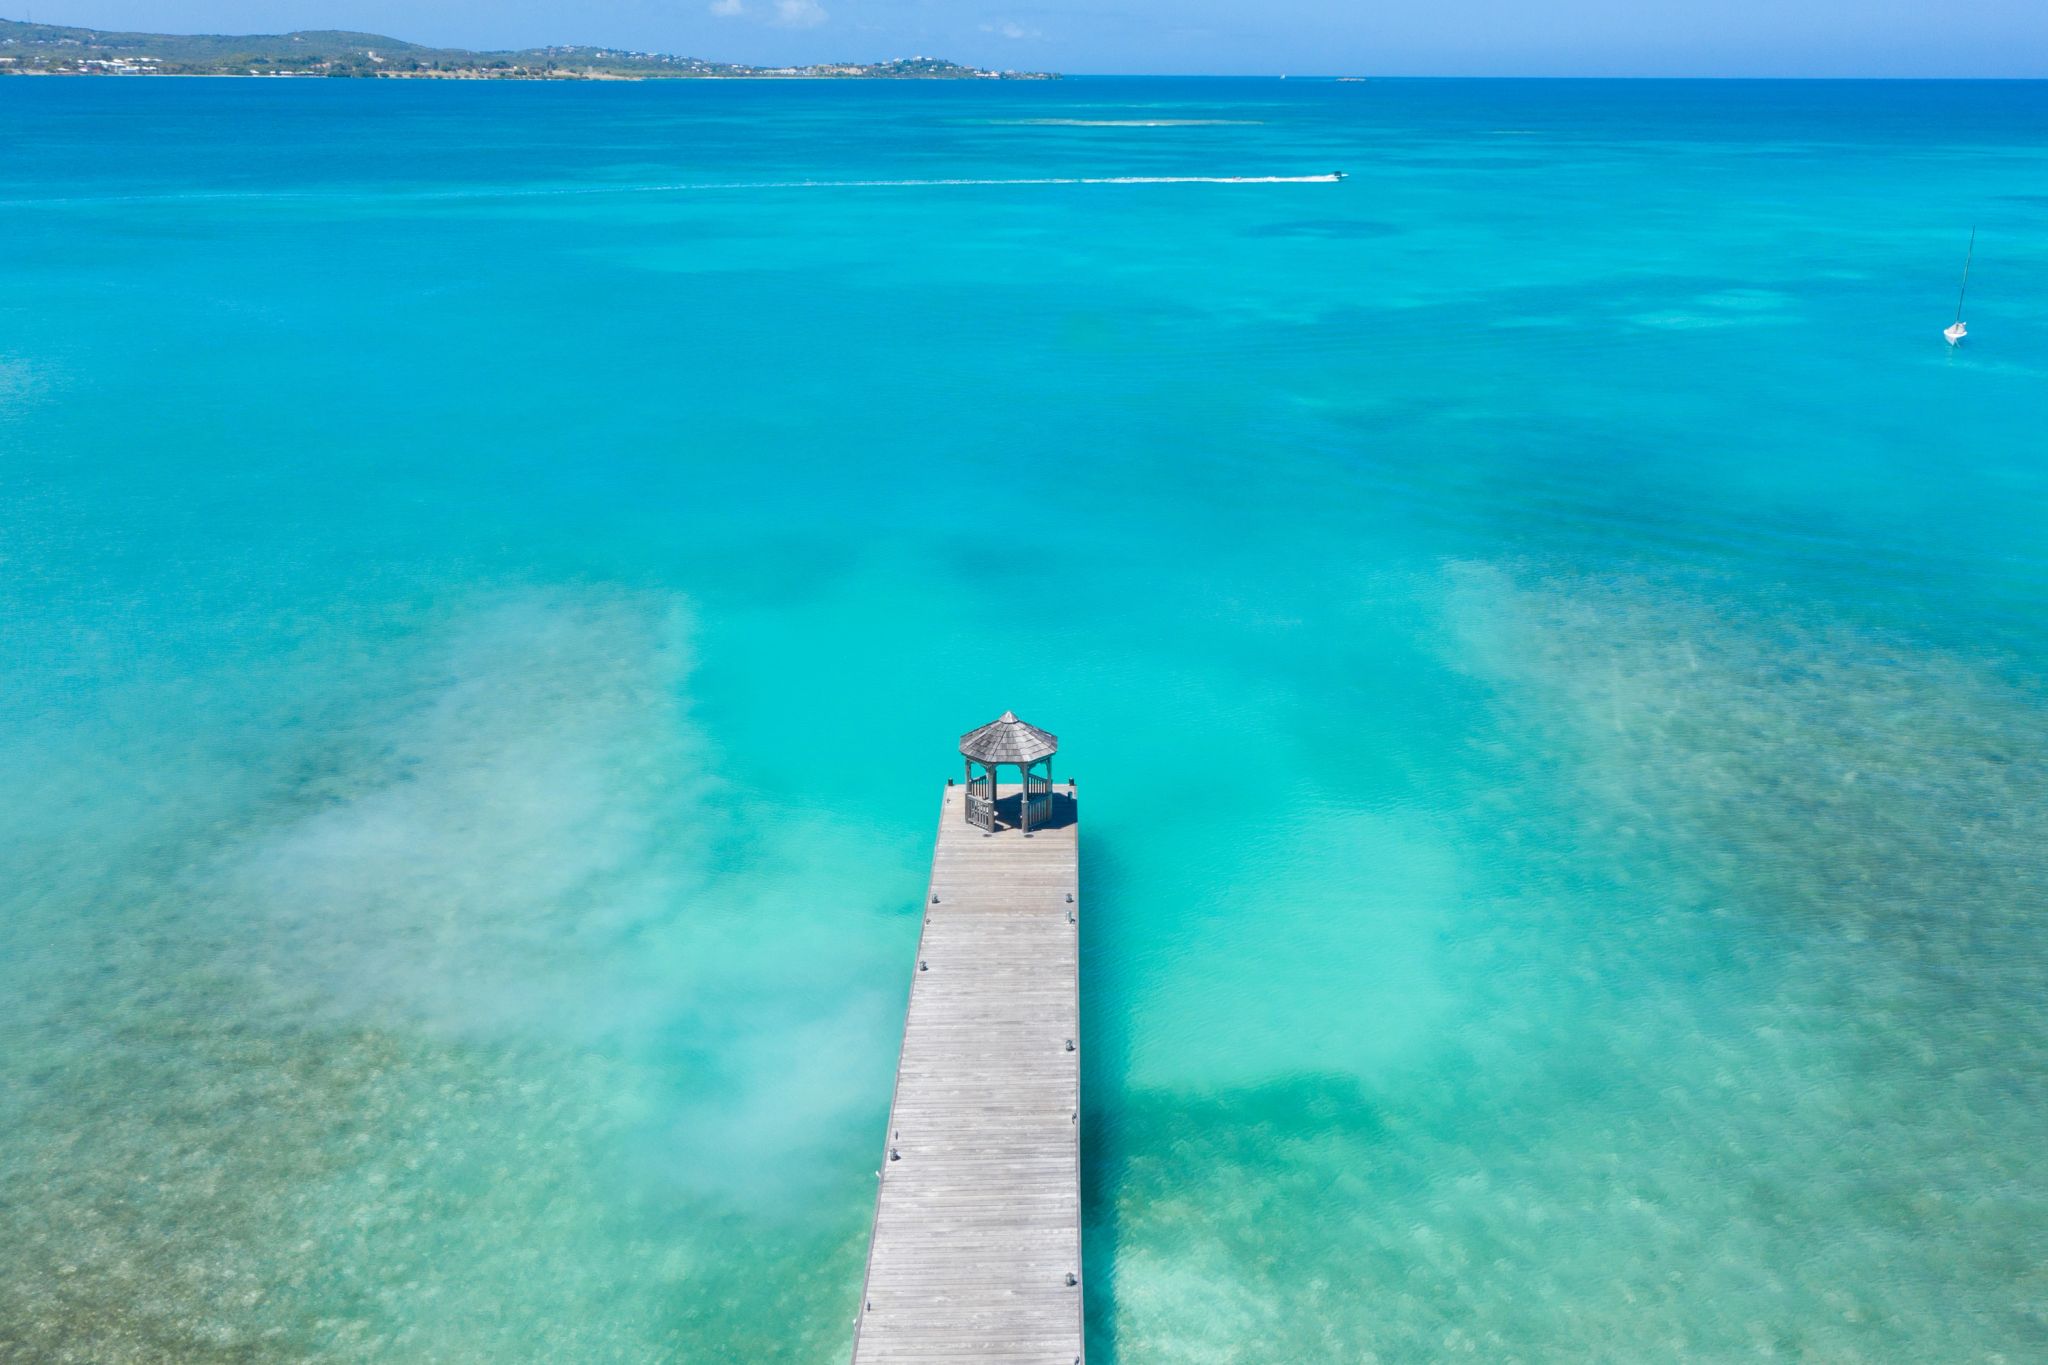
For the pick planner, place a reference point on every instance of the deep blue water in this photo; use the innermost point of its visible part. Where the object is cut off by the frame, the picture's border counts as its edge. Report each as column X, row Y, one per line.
column 1551, row 640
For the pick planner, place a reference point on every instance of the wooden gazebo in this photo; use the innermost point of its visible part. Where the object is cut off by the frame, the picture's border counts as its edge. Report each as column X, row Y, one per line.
column 1010, row 741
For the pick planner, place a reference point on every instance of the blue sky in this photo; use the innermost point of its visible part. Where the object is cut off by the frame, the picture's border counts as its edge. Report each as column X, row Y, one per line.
column 1381, row 37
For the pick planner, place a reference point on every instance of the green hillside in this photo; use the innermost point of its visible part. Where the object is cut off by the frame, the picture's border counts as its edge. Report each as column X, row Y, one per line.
column 50, row 49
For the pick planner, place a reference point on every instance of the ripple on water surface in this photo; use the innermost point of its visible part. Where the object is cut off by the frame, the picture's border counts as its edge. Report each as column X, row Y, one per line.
column 1745, row 1056
column 369, row 1053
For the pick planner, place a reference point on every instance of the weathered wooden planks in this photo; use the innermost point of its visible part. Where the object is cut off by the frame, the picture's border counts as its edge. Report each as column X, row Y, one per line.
column 977, row 1230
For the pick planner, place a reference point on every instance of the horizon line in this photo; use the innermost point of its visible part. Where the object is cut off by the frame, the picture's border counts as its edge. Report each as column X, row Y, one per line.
column 1501, row 76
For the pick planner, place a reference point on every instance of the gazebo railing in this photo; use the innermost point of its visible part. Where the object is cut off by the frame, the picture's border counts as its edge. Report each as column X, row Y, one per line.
column 1037, row 799
column 1035, row 802
column 1037, row 810
column 981, row 811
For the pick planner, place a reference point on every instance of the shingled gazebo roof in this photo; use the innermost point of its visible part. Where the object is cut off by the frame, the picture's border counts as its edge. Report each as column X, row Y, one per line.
column 1008, row 740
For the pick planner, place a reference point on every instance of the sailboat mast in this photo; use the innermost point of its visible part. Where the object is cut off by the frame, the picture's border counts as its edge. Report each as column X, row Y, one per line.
column 1966, row 274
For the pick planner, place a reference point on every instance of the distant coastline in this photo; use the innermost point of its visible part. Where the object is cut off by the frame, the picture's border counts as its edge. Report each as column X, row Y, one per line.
column 28, row 49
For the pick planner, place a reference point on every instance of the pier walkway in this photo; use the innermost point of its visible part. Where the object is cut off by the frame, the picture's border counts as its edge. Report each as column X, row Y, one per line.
column 976, row 1249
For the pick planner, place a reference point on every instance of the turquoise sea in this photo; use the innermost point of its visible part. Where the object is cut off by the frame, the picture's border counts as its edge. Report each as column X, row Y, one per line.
column 1551, row 641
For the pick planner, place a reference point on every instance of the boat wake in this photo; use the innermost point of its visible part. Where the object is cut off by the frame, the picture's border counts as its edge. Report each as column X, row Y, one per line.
column 1127, row 122
column 1328, row 179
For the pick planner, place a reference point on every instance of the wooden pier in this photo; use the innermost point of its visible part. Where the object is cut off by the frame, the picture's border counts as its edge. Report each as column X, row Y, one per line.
column 976, row 1249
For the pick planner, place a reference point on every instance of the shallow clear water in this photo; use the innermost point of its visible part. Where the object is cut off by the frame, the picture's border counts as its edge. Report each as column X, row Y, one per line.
column 1550, row 638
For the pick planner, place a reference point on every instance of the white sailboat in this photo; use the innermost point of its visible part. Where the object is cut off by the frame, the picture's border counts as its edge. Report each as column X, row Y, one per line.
column 1957, row 330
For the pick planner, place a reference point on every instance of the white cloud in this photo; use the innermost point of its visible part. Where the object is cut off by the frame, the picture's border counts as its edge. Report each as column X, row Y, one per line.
column 781, row 13
column 799, row 14
column 1010, row 28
